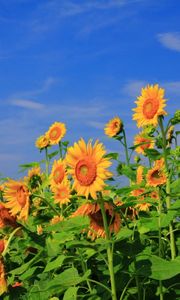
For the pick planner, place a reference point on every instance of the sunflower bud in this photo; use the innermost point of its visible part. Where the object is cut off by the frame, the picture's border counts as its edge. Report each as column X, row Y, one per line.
column 176, row 118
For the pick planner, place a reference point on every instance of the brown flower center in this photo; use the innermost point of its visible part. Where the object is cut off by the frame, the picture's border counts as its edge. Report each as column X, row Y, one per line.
column 85, row 171
column 150, row 108
column 21, row 196
column 55, row 133
column 98, row 219
column 156, row 175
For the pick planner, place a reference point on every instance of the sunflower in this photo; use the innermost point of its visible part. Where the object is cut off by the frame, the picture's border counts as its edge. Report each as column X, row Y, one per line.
column 56, row 132
column 5, row 218
column 17, row 195
column 62, row 192
column 149, row 106
column 34, row 179
column 147, row 142
column 139, row 174
column 42, row 142
column 3, row 282
column 58, row 172
column 88, row 167
column 113, row 127
column 93, row 211
column 157, row 176
column 142, row 205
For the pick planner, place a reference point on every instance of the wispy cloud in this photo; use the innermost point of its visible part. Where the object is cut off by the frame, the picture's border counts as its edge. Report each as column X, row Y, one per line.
column 170, row 40
column 46, row 85
column 96, row 125
column 27, row 104
column 133, row 87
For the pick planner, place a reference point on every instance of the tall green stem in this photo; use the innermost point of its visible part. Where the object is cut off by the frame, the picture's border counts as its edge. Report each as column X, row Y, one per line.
column 47, row 162
column 125, row 147
column 160, row 246
column 109, row 250
column 60, row 150
column 48, row 203
column 168, row 199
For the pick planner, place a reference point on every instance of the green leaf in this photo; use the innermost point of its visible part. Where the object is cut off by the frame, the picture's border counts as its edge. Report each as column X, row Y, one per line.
column 56, row 263
column 51, row 155
column 157, row 268
column 175, row 186
column 71, row 293
column 124, row 233
column 153, row 153
column 112, row 156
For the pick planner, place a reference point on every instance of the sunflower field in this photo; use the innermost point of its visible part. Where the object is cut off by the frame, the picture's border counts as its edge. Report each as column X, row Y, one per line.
column 82, row 224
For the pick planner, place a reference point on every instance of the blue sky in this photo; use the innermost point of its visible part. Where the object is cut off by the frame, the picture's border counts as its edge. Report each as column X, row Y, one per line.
column 82, row 63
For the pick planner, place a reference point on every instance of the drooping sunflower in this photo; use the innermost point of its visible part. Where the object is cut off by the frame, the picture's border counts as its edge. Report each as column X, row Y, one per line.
column 88, row 167
column 58, row 172
column 93, row 211
column 150, row 105
column 147, row 142
column 17, row 196
column 42, row 142
column 62, row 192
column 5, row 218
column 3, row 282
column 56, row 132
column 34, row 179
column 157, row 175
column 139, row 174
column 113, row 127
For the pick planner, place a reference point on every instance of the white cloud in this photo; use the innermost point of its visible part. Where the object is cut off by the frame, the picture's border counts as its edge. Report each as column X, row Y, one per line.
column 96, row 125
column 133, row 87
column 170, row 40
column 172, row 87
column 27, row 104
column 46, row 85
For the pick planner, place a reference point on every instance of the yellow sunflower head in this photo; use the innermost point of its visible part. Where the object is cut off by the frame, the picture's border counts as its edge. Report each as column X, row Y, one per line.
column 16, row 195
column 139, row 174
column 150, row 105
column 144, row 142
column 34, row 179
column 93, row 211
column 58, row 172
column 3, row 282
column 62, row 192
column 157, row 175
column 139, row 194
column 56, row 132
column 88, row 167
column 42, row 142
column 113, row 127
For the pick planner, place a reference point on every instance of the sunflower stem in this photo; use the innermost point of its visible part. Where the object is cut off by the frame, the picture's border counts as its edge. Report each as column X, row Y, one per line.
column 60, row 150
column 160, row 244
column 125, row 147
column 168, row 199
column 109, row 250
column 9, row 240
column 47, row 161
column 84, row 268
column 48, row 203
